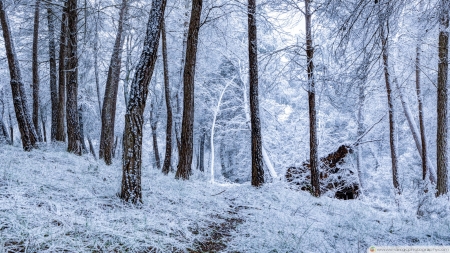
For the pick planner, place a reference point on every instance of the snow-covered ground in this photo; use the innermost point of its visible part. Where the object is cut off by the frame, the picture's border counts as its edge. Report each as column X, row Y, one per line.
column 54, row 201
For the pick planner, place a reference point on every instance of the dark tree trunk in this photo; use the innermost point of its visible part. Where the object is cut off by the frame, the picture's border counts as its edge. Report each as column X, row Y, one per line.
column 111, row 89
column 26, row 127
column 35, row 70
column 313, row 144
column 43, row 121
column 60, row 131
column 257, row 159
column 202, row 152
column 11, row 128
column 168, row 155
column 442, row 128
column 52, row 61
column 80, row 120
column 74, row 144
column 134, row 117
column 179, row 89
column 4, row 132
column 155, row 147
column 390, row 97
column 187, row 126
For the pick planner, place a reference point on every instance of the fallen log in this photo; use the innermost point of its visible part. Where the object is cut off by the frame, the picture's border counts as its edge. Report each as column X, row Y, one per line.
column 336, row 179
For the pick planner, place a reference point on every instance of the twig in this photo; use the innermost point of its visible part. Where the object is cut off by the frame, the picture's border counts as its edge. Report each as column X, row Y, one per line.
column 219, row 193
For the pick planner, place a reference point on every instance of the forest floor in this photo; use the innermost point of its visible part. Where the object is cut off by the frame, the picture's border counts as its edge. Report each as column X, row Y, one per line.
column 53, row 201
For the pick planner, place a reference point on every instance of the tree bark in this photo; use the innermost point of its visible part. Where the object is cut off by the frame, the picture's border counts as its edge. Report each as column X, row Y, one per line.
column 74, row 142
column 35, row 70
column 442, row 97
column 361, row 129
column 390, row 98
column 52, row 61
column 91, row 147
column 26, row 127
column 187, row 131
column 416, row 134
column 257, row 159
column 60, row 129
column 96, row 74
column 202, row 152
column 81, row 122
column 134, row 118
column 155, row 146
column 313, row 143
column 111, row 90
column 168, row 155
column 179, row 92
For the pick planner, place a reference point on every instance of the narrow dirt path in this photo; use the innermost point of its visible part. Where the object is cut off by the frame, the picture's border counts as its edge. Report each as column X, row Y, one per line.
column 218, row 234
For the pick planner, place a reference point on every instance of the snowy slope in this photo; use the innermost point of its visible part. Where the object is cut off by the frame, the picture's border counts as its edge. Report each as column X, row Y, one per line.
column 54, row 201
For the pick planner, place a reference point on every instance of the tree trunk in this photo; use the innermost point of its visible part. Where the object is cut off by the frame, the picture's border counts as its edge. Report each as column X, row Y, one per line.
column 390, row 98
column 257, row 159
column 26, row 127
column 202, row 152
column 11, row 128
column 134, row 118
column 313, row 144
column 115, row 147
column 416, row 134
column 80, row 120
column 442, row 129
column 43, row 121
column 97, row 79
column 187, row 131
column 35, row 70
column 60, row 131
column 361, row 129
column 74, row 143
column 155, row 147
column 179, row 90
column 4, row 132
column 111, row 89
column 91, row 147
column 168, row 155
column 423, row 138
column 52, row 61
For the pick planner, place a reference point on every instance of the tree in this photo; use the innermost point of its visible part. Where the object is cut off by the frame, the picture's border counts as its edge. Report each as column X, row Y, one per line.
column 73, row 125
column 169, row 123
column 313, row 144
column 26, row 127
column 257, row 160
column 134, row 117
column 35, row 70
column 111, row 89
column 442, row 97
column 60, row 129
column 187, row 126
column 384, row 38
column 52, row 62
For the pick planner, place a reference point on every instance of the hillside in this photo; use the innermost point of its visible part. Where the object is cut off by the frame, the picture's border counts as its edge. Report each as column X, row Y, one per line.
column 52, row 201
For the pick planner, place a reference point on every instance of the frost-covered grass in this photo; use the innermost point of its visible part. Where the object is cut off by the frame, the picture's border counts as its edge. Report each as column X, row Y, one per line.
column 54, row 201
